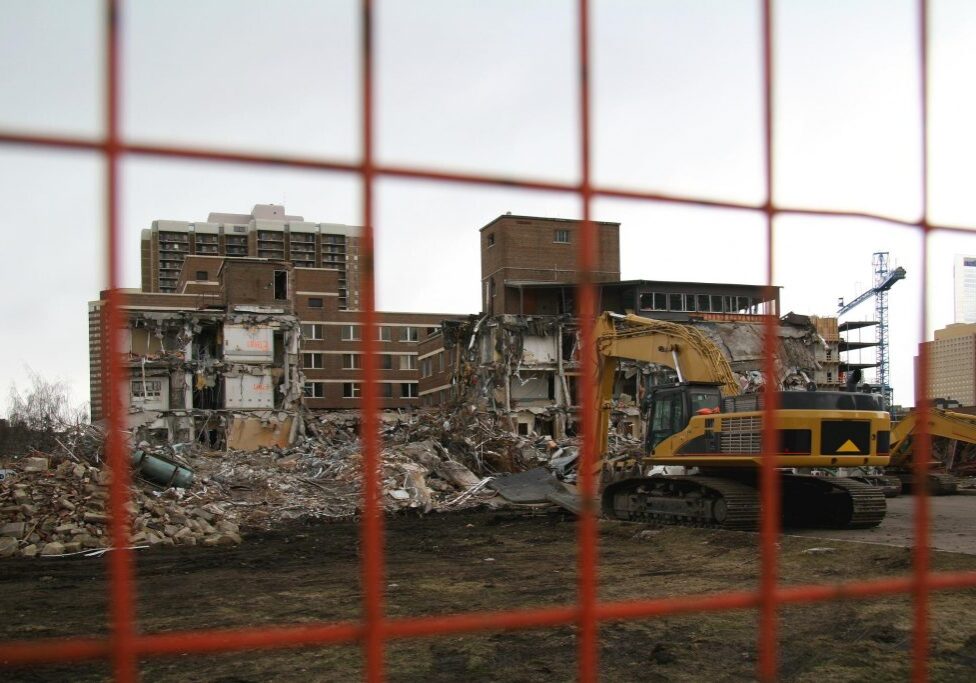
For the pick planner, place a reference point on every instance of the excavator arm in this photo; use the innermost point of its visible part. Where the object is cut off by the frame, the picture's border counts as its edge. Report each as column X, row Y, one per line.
column 939, row 423
column 685, row 349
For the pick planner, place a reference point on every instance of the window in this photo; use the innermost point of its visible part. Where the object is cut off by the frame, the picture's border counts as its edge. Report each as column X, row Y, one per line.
column 384, row 333
column 315, row 302
column 408, row 391
column 653, row 301
column 351, row 361
column 440, row 362
column 202, row 275
column 491, row 239
column 280, row 285
column 349, row 333
column 425, row 367
column 151, row 389
column 350, row 390
column 312, row 360
column 386, row 390
column 310, row 331
column 717, row 304
column 314, row 390
column 408, row 362
column 675, row 302
column 561, row 237
column 410, row 334
column 690, row 302
column 385, row 362
column 704, row 303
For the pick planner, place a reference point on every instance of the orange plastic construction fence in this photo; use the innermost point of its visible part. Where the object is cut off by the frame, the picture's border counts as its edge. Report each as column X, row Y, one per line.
column 126, row 645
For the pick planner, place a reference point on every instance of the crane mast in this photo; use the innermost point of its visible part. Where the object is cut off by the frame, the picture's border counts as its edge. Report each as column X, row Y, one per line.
column 880, row 262
column 884, row 279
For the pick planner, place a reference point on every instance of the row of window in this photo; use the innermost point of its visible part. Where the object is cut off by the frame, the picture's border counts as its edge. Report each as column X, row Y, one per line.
column 354, row 390
column 353, row 332
column 560, row 236
column 704, row 303
column 354, row 361
column 151, row 389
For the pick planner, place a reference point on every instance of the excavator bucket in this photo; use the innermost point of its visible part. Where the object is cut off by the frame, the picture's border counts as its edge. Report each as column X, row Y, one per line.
column 537, row 485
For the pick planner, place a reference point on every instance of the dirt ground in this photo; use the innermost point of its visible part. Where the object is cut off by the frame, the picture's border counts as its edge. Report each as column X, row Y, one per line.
column 446, row 563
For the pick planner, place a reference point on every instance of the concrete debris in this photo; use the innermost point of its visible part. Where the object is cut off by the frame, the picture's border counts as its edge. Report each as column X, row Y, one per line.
column 62, row 510
column 431, row 461
column 35, row 464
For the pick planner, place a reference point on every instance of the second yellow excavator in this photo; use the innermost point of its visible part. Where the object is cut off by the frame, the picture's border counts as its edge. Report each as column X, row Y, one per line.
column 952, row 435
column 700, row 423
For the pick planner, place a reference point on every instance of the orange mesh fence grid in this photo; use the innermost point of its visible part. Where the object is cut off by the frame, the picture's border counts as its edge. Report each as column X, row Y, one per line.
column 126, row 645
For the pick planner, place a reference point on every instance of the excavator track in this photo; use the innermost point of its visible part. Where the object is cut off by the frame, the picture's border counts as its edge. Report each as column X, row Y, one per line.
column 733, row 502
column 939, row 483
column 831, row 502
column 687, row 500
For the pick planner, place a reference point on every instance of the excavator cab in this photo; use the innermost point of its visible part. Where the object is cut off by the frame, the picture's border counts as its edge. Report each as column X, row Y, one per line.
column 668, row 408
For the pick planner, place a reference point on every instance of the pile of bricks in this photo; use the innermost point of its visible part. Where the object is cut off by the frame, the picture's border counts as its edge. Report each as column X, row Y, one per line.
column 61, row 510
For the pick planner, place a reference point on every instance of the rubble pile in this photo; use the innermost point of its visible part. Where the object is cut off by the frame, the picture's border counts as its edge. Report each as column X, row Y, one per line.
column 430, row 461
column 62, row 510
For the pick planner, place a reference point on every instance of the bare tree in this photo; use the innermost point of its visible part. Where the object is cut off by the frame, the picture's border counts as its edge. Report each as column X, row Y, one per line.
column 45, row 406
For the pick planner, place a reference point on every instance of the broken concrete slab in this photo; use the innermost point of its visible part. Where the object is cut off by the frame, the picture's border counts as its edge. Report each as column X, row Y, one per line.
column 8, row 546
column 15, row 529
column 35, row 464
column 246, row 433
column 52, row 548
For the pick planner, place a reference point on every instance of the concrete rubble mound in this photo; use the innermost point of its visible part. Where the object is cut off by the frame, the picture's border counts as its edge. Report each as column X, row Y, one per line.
column 56, row 504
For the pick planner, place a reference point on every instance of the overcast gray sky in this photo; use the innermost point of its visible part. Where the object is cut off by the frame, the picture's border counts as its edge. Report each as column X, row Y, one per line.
column 490, row 86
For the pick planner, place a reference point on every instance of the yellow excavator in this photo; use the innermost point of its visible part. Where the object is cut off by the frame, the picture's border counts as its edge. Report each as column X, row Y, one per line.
column 952, row 434
column 702, row 424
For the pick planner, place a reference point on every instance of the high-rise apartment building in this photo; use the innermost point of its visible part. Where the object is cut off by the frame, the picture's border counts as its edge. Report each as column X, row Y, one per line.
column 267, row 232
column 964, row 288
column 952, row 364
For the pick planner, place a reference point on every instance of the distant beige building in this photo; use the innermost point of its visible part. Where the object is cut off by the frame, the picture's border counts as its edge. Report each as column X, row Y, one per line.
column 827, row 354
column 952, row 364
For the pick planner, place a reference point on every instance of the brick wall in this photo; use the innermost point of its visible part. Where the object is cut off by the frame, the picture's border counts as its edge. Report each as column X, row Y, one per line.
column 435, row 365
column 252, row 282
column 339, row 353
column 525, row 248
